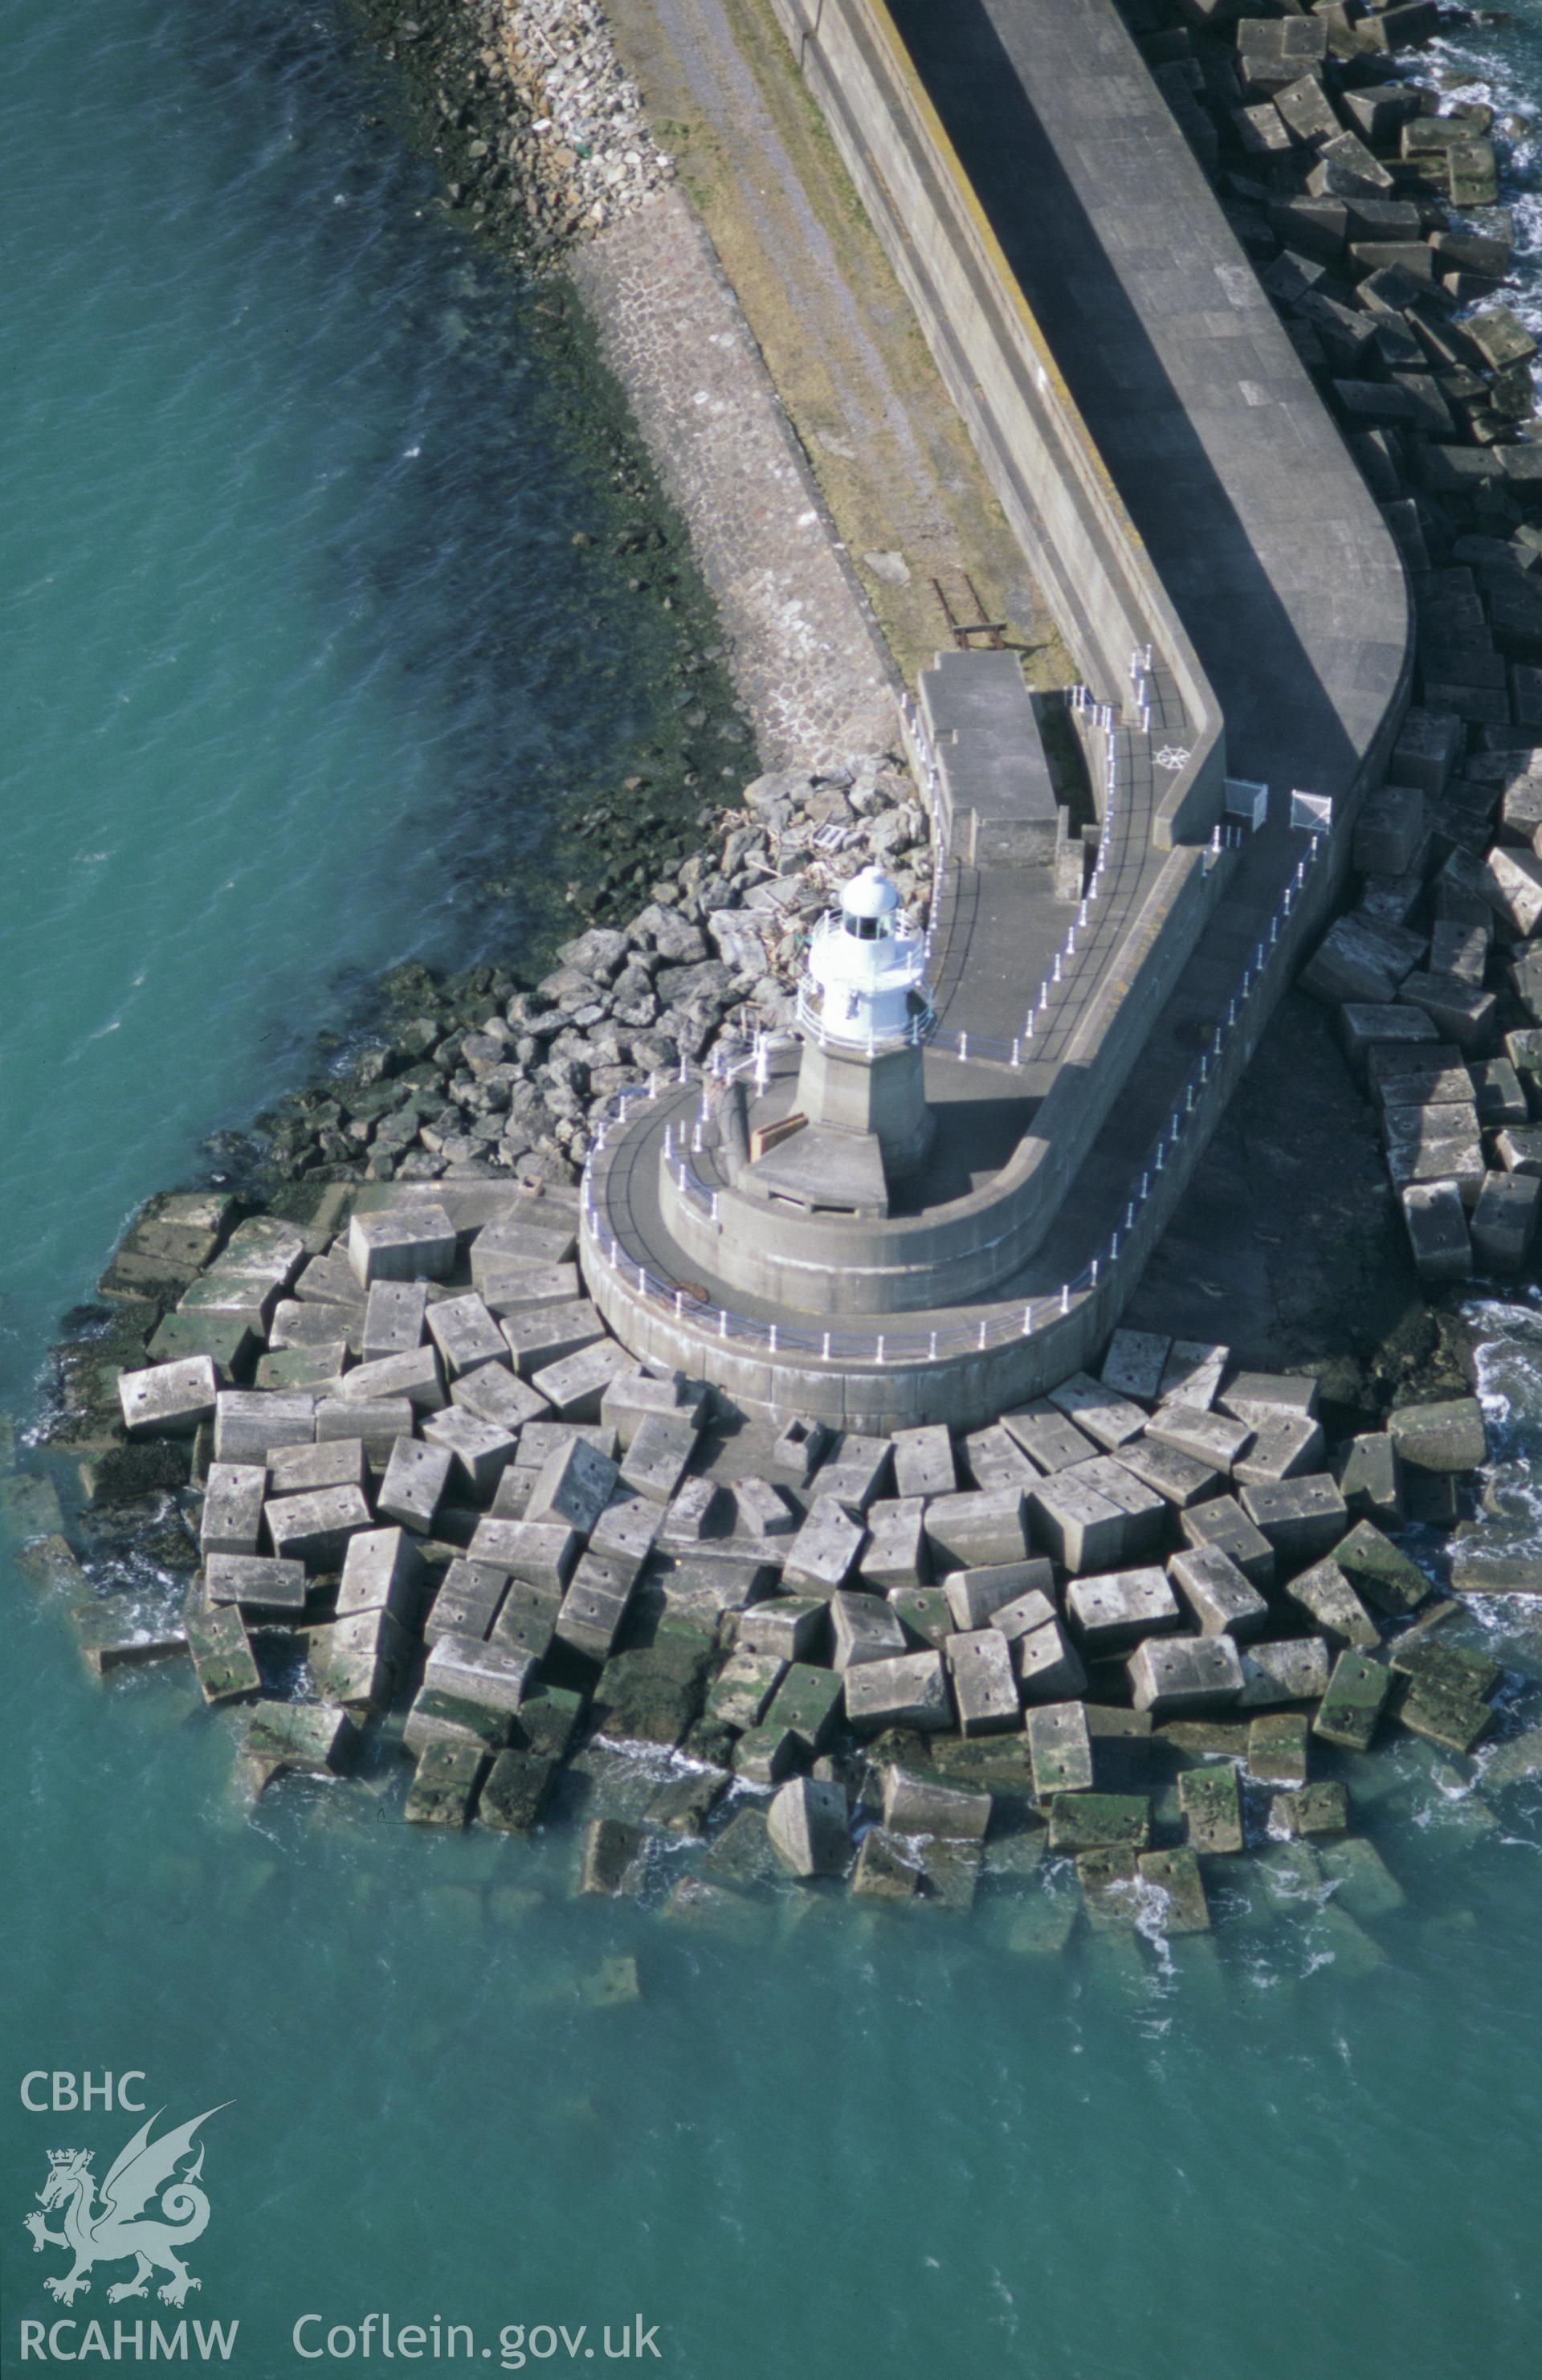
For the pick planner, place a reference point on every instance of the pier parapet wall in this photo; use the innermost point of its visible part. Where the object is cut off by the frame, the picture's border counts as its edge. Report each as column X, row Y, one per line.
column 1053, row 484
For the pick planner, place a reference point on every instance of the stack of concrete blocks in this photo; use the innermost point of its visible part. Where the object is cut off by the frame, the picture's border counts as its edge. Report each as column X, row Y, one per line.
column 474, row 1510
column 421, row 1383
column 1436, row 974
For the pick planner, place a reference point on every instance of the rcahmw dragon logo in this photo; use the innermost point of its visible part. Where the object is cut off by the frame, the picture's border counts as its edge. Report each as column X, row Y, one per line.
column 119, row 2227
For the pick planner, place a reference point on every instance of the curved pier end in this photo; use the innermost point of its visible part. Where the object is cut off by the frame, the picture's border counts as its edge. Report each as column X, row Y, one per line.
column 1240, row 609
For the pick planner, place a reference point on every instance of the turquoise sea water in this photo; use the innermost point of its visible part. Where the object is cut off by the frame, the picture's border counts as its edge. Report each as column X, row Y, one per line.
column 291, row 624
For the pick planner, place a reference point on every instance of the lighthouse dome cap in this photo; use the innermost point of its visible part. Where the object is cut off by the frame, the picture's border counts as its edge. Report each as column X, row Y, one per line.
column 869, row 894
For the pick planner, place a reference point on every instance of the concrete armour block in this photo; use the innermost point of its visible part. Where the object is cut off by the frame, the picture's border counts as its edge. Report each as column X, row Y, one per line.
column 547, row 1337
column 262, row 1588
column 627, row 1526
column 1389, row 831
column 474, row 1685
column 1048, row 1666
column 1222, row 1521
column 909, row 1690
column 1371, row 1480
column 741, row 1693
column 1380, row 1574
column 856, row 1471
column 248, row 1425
column 576, row 1387
column 1301, row 1518
column 1083, row 1529
column 809, row 1827
column 659, row 1454
column 1033, row 1609
column 762, row 1510
column 513, row 1240
column 466, row 1335
column 1353, row 1705
column 383, row 1571
column 1170, row 1675
column 1277, row 1748
column 1283, row 1669
column 696, row 1511
column 468, row 1601
column 629, row 1401
column 415, row 1376
column 1049, row 1439
column 395, row 1316
column 1144, row 1508
column 358, row 1660
column 966, row 1531
column 1504, row 1220
column 1325, row 1595
column 924, row 1462
column 1510, row 882
column 416, row 1478
column 992, row 1458
column 822, row 1555
column 895, row 1553
column 866, row 1629
column 1060, row 1747
column 1085, row 1822
column 791, row 1627
column 1210, row 1800
column 510, row 1290
column 480, row 1451
column 315, row 1528
column 808, row 1702
column 1181, row 1479
column 232, row 1508
column 221, row 1654
column 574, row 1485
column 1134, row 1365
column 1448, row 1436
column 984, row 1680
column 1284, row 1445
column 1212, row 1437
column 377, row 1422
column 1110, row 1419
column 1193, row 1373
column 402, row 1244
column 976, row 1595
column 1222, row 1598
column 1112, row 1611
column 542, row 1553
column 338, row 1462
column 916, row 1803
column 798, row 1452
column 1436, row 1218
column 169, row 1400
column 1175, row 1876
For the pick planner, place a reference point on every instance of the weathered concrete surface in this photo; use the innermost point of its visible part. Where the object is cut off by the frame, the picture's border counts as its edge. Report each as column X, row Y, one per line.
column 893, row 461
column 1256, row 520
column 808, row 657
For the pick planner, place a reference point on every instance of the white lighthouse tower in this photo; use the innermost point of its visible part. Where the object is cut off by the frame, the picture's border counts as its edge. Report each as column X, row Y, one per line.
column 863, row 1015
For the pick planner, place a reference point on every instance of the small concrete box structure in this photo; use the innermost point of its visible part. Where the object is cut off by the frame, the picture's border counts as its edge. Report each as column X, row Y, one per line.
column 998, row 803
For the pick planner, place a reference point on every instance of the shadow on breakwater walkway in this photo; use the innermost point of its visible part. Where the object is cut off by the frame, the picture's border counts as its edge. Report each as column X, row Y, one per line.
column 1254, row 514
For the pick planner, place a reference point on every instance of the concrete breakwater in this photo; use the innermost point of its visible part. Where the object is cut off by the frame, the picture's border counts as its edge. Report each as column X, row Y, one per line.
column 412, row 1458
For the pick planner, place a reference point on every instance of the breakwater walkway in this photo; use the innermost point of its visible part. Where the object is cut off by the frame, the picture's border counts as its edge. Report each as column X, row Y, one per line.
column 1242, row 612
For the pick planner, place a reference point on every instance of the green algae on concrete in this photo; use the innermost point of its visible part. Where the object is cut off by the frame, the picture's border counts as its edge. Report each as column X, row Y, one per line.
column 1085, row 1822
column 1356, row 1694
column 1210, row 1802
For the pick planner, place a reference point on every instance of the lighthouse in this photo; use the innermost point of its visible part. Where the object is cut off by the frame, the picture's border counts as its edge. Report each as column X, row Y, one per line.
column 863, row 1015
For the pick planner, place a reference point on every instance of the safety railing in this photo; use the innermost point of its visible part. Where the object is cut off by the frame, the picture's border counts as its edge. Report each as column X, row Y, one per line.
column 901, row 1345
